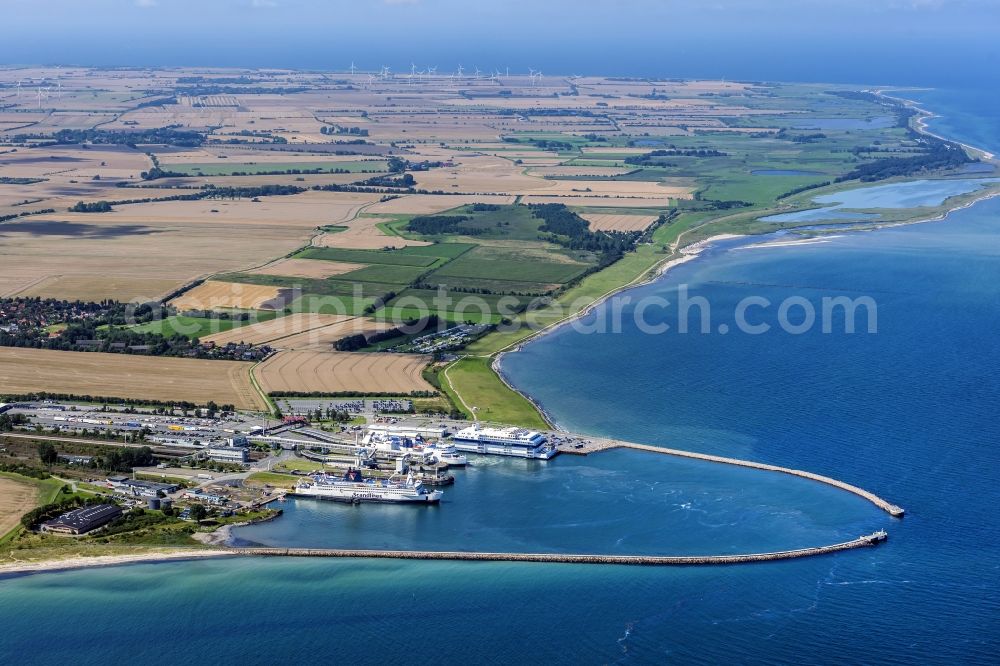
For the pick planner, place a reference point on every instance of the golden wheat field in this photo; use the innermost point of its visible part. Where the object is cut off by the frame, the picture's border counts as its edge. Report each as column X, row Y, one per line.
column 363, row 233
column 428, row 204
column 16, row 499
column 322, row 338
column 122, row 375
column 609, row 222
column 331, row 372
column 276, row 329
column 307, row 268
column 213, row 294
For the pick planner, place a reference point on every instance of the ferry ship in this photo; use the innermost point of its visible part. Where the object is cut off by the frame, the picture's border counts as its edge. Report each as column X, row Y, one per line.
column 354, row 488
column 447, row 454
column 510, row 441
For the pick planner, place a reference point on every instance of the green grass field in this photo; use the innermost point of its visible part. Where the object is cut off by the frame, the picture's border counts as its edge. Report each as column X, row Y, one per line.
column 198, row 327
column 386, row 274
column 317, row 286
column 474, row 381
column 508, row 264
column 384, row 257
column 274, row 479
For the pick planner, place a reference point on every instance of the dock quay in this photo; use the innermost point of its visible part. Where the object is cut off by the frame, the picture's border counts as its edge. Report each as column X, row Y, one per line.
column 635, row 560
column 597, row 444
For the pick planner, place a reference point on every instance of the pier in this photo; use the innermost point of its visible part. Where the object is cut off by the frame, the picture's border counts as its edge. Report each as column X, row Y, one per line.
column 635, row 560
column 596, row 444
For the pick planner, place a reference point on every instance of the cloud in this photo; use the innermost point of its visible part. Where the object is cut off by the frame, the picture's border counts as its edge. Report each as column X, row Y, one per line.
column 261, row 4
column 145, row 4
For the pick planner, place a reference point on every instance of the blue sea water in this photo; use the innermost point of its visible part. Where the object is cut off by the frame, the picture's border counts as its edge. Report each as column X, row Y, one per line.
column 908, row 412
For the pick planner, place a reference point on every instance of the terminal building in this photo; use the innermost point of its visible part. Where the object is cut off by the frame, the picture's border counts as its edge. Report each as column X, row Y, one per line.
column 409, row 430
column 81, row 521
column 229, row 454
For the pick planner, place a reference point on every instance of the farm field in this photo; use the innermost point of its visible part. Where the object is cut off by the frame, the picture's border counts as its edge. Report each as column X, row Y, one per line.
column 145, row 251
column 611, row 222
column 427, row 204
column 198, row 327
column 323, row 338
column 304, row 268
column 252, row 168
column 16, row 499
column 441, row 174
column 334, row 372
column 214, row 295
column 363, row 233
column 294, row 330
column 122, row 375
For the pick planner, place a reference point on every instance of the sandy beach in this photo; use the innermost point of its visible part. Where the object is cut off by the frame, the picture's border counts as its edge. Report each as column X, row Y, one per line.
column 25, row 567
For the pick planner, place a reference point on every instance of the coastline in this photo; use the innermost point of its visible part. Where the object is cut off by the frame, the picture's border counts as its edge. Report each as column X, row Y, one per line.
column 693, row 251
column 655, row 272
column 217, row 543
column 19, row 568
column 690, row 253
column 926, row 115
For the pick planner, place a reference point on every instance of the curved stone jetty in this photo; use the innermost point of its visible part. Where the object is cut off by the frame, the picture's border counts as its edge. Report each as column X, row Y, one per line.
column 598, row 444
column 646, row 560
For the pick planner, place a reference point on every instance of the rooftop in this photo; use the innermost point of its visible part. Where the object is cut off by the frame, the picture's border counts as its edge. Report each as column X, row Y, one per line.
column 85, row 518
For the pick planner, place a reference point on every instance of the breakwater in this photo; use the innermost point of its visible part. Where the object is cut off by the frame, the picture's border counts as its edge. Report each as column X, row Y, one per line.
column 597, row 444
column 644, row 560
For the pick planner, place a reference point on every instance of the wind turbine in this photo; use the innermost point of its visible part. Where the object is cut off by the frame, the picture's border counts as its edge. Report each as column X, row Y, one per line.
column 371, row 80
column 460, row 70
column 39, row 92
column 432, row 70
column 19, row 88
column 353, row 68
column 477, row 72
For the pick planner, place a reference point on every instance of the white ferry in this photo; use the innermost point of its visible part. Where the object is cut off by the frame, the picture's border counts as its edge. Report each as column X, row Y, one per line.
column 510, row 441
column 354, row 488
column 446, row 453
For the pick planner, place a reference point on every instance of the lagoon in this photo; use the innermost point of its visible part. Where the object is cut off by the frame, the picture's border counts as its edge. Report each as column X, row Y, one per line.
column 913, row 194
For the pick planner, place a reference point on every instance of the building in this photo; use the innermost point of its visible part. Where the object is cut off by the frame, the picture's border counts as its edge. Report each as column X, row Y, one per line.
column 140, row 488
column 207, row 498
column 229, row 454
column 81, row 521
column 409, row 430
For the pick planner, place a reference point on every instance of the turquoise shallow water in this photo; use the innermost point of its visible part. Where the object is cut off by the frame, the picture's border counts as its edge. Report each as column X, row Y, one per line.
column 909, row 412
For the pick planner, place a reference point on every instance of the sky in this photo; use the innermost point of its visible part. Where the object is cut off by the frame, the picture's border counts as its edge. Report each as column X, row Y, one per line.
column 862, row 41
